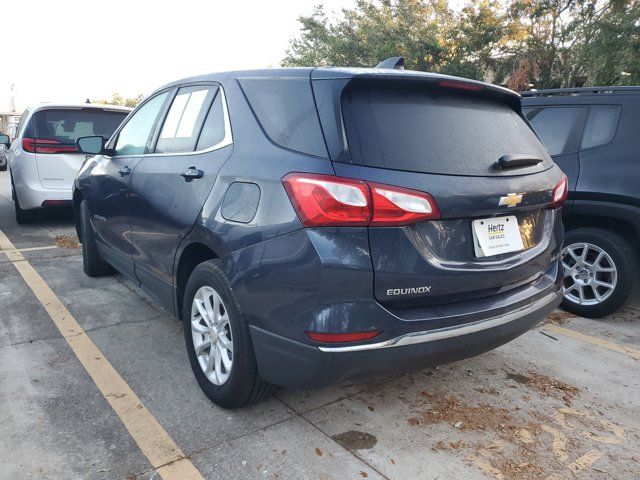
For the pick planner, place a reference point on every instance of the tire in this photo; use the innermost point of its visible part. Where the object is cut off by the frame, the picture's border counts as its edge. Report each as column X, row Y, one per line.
column 610, row 260
column 24, row 216
column 3, row 168
column 92, row 262
column 239, row 383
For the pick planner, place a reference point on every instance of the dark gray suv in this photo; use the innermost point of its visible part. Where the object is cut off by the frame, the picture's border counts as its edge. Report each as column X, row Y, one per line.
column 592, row 133
column 311, row 225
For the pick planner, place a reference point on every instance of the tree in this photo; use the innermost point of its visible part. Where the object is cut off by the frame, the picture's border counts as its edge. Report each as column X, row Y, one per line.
column 520, row 43
column 117, row 99
column 373, row 31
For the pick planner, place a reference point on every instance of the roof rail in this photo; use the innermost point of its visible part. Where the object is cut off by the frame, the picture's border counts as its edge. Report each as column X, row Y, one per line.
column 580, row 91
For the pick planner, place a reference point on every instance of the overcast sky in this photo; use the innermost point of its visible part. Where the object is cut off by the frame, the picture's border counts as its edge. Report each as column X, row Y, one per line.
column 67, row 51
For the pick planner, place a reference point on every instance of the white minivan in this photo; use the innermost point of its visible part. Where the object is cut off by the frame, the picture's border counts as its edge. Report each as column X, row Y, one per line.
column 43, row 158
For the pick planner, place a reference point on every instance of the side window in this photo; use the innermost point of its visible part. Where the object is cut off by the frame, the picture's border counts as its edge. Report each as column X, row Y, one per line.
column 601, row 126
column 134, row 136
column 213, row 130
column 554, row 126
column 23, row 119
column 287, row 112
column 184, row 120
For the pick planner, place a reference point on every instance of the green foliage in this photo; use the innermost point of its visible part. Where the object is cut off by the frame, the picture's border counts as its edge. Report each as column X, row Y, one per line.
column 520, row 43
column 117, row 99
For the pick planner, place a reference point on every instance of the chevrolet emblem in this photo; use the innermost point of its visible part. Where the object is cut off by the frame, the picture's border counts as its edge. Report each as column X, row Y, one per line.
column 511, row 200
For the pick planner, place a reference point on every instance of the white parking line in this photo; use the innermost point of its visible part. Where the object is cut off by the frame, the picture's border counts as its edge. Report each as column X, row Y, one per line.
column 162, row 452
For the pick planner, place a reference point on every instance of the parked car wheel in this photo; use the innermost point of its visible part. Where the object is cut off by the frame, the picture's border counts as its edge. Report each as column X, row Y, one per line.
column 598, row 271
column 92, row 262
column 218, row 340
column 24, row 216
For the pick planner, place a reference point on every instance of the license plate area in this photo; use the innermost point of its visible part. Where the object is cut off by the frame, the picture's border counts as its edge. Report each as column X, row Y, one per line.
column 496, row 235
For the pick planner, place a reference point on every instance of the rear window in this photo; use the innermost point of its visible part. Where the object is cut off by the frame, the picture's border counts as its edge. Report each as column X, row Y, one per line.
column 66, row 125
column 412, row 128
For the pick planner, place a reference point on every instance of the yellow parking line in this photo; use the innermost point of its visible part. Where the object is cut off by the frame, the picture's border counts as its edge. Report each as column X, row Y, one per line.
column 33, row 249
column 616, row 347
column 156, row 444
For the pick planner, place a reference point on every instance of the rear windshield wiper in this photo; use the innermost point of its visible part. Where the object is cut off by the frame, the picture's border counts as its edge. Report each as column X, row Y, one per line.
column 515, row 161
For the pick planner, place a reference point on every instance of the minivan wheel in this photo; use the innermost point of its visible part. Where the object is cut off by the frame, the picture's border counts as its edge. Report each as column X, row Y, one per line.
column 218, row 340
column 598, row 272
column 92, row 262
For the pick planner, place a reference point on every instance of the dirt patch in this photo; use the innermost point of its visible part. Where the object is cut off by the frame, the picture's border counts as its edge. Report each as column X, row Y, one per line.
column 355, row 440
column 520, row 470
column 546, row 385
column 488, row 391
column 517, row 442
column 464, row 417
column 67, row 241
column 559, row 317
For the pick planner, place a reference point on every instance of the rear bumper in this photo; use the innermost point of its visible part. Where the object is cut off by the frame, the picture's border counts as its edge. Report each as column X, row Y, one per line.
column 293, row 364
column 33, row 196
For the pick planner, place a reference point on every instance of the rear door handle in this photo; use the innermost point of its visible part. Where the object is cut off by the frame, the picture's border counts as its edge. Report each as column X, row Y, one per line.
column 191, row 173
column 124, row 171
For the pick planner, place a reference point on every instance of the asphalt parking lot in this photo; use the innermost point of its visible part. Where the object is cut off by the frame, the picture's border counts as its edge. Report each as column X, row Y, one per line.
column 561, row 402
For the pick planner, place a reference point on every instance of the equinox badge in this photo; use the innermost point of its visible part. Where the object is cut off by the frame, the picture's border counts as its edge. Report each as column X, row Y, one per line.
column 408, row 291
column 511, row 200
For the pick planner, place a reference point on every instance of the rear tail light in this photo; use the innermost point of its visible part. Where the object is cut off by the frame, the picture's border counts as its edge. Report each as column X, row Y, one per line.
column 326, row 200
column 560, row 192
column 342, row 337
column 46, row 145
column 323, row 200
column 400, row 206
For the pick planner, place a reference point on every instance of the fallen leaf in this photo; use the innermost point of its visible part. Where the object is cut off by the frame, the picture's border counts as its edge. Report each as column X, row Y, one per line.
column 318, row 452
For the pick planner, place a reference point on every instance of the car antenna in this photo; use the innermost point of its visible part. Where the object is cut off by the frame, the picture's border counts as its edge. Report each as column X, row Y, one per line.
column 395, row 63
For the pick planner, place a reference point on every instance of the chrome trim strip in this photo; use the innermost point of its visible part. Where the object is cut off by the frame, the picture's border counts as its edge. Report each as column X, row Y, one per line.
column 448, row 332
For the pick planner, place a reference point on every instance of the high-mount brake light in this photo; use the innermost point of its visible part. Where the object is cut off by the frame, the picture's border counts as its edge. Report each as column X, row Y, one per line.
column 326, row 200
column 560, row 192
column 458, row 85
column 46, row 145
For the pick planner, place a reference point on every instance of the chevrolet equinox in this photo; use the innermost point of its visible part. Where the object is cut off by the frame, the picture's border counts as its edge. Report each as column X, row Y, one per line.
column 310, row 225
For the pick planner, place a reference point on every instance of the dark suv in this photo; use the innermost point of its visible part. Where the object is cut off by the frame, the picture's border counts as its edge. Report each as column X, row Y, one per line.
column 313, row 225
column 593, row 134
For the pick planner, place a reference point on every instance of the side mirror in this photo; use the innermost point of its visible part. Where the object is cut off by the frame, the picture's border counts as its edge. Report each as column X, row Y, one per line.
column 90, row 145
column 5, row 140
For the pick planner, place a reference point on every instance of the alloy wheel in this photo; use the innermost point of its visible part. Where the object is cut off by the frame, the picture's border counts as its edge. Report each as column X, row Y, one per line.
column 211, row 334
column 590, row 275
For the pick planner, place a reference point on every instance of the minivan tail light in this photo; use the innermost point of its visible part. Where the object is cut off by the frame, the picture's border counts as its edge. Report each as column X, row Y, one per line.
column 560, row 191
column 326, row 200
column 46, row 145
